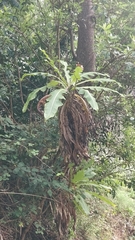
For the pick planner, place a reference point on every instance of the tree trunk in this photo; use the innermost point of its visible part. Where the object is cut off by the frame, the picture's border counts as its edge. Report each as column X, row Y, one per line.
column 85, row 48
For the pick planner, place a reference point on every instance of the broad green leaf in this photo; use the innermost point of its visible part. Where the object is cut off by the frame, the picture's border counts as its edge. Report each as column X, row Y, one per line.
column 98, row 89
column 105, row 187
column 93, row 74
column 66, row 71
column 79, row 176
column 76, row 75
column 104, row 199
column 80, row 202
column 89, row 98
column 89, row 194
column 53, row 103
column 91, row 183
column 53, row 83
column 37, row 74
column 102, row 80
column 51, row 63
column 31, row 96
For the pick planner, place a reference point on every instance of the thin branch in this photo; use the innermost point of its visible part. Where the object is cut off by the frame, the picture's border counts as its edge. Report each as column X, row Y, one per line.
column 58, row 42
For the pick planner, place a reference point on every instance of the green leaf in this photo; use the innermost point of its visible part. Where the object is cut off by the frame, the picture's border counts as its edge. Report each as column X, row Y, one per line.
column 31, row 96
column 89, row 194
column 102, row 89
column 66, row 71
column 80, row 202
column 104, row 199
column 53, row 103
column 37, row 74
column 76, row 75
column 101, row 80
column 106, row 80
column 51, row 63
column 53, row 83
column 60, row 174
column 79, row 176
column 89, row 98
column 93, row 74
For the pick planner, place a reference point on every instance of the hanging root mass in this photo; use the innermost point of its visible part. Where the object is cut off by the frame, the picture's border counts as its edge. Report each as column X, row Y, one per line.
column 75, row 116
column 65, row 211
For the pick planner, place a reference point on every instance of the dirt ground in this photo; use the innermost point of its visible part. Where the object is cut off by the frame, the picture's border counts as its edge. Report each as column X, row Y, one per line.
column 122, row 228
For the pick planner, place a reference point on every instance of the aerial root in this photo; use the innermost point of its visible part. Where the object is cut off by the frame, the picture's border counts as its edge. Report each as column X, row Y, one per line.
column 74, row 119
column 64, row 211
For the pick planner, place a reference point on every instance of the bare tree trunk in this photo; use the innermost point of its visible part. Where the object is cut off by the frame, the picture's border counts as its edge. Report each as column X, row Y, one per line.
column 85, row 48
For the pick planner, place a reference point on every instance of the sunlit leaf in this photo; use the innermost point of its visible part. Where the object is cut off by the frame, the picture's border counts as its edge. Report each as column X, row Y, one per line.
column 32, row 96
column 98, row 89
column 60, row 174
column 53, row 103
column 66, row 71
column 89, row 194
column 53, row 83
column 89, row 98
column 104, row 199
column 93, row 74
column 52, row 64
column 37, row 74
column 81, row 204
column 76, row 75
column 79, row 176
column 97, row 80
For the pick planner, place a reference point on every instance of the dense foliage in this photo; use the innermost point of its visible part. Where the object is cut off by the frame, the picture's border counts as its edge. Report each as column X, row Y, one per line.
column 35, row 192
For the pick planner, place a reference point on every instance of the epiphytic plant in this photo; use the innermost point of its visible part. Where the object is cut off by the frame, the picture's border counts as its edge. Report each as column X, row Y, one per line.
column 72, row 95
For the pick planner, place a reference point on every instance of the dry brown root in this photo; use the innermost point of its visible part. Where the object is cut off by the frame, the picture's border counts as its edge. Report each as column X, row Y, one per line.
column 74, row 119
column 41, row 104
column 64, row 212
